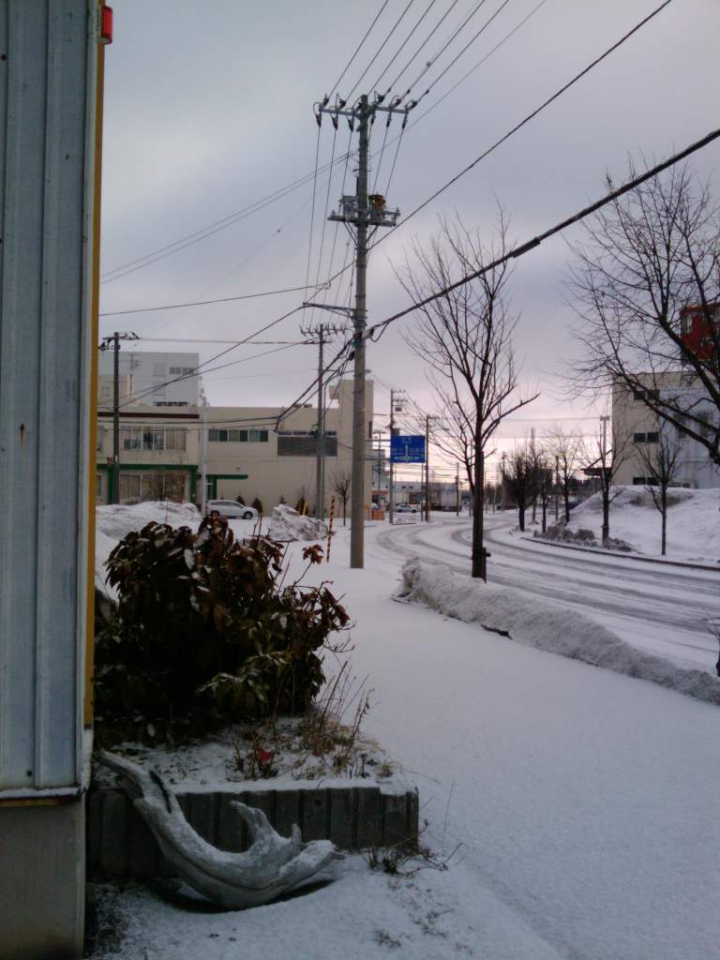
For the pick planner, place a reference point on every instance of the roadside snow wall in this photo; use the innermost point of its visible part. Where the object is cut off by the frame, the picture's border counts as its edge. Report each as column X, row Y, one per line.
column 537, row 623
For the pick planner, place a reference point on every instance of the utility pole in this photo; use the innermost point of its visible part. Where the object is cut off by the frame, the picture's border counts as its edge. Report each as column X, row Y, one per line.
column 427, row 469
column 457, row 489
column 203, row 453
column 363, row 212
column 113, row 343
column 393, row 401
column 318, row 335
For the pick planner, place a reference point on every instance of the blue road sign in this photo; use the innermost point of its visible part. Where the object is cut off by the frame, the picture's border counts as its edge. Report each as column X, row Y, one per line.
column 410, row 449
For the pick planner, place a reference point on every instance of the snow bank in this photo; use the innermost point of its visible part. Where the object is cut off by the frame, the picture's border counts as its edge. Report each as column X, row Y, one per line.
column 115, row 521
column 693, row 529
column 537, row 623
column 118, row 520
column 288, row 524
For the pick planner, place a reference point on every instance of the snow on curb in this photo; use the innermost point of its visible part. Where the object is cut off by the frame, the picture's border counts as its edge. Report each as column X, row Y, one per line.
column 540, row 624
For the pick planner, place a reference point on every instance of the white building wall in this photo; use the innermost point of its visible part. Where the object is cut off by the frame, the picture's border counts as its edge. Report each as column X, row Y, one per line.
column 154, row 376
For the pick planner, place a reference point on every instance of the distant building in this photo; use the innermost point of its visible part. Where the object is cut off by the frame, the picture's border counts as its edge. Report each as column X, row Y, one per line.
column 158, row 379
column 637, row 428
column 252, row 452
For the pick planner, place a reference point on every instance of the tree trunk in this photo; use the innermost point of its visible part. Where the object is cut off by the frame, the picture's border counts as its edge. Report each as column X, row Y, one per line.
column 521, row 516
column 566, row 498
column 663, row 542
column 478, row 566
column 606, row 514
column 544, row 516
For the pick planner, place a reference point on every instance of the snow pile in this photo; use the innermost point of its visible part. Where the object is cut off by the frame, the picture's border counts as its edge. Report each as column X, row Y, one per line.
column 115, row 521
column 540, row 624
column 288, row 524
column 693, row 523
column 118, row 520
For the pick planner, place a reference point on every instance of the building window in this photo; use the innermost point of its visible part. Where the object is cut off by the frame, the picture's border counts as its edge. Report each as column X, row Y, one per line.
column 238, row 436
column 147, row 438
column 652, row 438
column 638, row 438
column 163, row 485
column 181, row 371
column 292, row 445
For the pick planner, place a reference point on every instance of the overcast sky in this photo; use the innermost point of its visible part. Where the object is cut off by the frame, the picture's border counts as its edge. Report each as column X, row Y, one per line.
column 209, row 109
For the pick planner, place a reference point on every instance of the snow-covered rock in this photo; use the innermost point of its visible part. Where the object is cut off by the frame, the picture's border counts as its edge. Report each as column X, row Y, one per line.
column 288, row 524
column 539, row 623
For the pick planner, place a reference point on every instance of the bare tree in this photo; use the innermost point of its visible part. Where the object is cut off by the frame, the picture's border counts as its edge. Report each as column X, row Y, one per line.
column 603, row 459
column 466, row 336
column 646, row 284
column 661, row 462
column 566, row 449
column 542, row 480
column 518, row 476
column 341, row 482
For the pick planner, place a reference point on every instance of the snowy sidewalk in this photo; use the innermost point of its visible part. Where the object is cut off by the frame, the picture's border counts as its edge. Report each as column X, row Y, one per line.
column 586, row 804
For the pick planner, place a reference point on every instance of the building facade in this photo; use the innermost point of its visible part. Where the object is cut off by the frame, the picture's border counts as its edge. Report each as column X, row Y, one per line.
column 255, row 452
column 157, row 379
column 638, row 431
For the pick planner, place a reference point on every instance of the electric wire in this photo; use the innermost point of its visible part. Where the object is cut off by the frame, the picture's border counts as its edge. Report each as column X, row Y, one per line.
column 205, row 303
column 464, row 50
column 376, row 84
column 204, row 232
column 531, row 116
column 431, row 62
column 563, row 225
column 312, row 209
column 357, row 49
column 222, row 353
column 382, row 47
column 422, row 46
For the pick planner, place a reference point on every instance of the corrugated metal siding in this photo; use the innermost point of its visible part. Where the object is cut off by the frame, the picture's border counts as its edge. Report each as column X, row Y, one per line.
column 43, row 325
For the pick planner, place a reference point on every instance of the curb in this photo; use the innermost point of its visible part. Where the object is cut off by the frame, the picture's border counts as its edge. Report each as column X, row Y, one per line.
column 121, row 846
column 624, row 556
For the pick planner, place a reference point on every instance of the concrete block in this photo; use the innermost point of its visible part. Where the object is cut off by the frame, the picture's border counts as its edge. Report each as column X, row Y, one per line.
column 343, row 817
column 287, row 811
column 315, row 812
column 369, row 817
column 115, row 817
column 395, row 826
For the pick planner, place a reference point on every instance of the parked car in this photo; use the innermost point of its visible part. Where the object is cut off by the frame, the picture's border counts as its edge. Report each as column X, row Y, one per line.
column 407, row 508
column 231, row 509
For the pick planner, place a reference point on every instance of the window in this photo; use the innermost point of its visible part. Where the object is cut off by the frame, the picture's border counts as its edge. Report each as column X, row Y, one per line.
column 638, row 438
column 100, row 437
column 238, row 436
column 131, row 438
column 299, row 446
column 175, row 438
column 153, row 439
column 652, row 438
column 705, row 425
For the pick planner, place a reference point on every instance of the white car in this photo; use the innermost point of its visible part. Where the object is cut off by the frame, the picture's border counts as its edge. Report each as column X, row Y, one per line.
column 407, row 508
column 231, row 509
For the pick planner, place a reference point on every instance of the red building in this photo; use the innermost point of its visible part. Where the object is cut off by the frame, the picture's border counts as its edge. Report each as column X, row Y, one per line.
column 700, row 330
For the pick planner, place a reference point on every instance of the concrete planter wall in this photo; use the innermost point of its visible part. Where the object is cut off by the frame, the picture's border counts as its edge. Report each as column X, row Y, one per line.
column 120, row 846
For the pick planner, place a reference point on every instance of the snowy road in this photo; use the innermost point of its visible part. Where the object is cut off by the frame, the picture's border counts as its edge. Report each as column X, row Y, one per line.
column 628, row 596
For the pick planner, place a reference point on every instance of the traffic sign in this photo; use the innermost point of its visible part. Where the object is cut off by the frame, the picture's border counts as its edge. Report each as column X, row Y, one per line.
column 410, row 449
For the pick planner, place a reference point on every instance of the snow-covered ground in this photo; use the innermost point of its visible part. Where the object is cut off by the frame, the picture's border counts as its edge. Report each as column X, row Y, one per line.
column 585, row 802
column 693, row 522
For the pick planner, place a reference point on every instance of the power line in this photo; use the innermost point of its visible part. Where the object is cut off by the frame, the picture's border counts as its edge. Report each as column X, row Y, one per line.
column 239, row 343
column 382, row 47
column 563, row 225
column 527, row 119
column 205, row 303
column 357, row 49
column 376, row 84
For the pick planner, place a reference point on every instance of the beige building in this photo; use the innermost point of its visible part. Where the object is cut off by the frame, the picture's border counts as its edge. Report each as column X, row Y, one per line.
column 255, row 452
column 637, row 431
